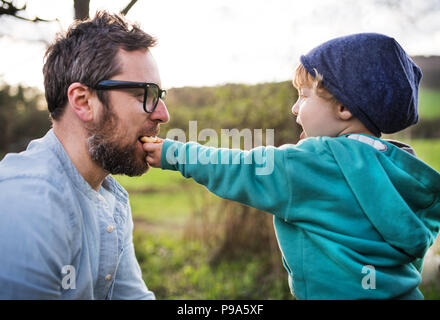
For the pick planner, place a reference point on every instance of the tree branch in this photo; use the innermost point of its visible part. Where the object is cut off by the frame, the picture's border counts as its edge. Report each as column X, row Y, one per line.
column 8, row 8
column 128, row 7
column 81, row 8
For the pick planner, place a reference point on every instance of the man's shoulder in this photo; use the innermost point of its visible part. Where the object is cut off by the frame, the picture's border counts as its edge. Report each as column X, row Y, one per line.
column 32, row 164
column 34, row 189
column 31, row 175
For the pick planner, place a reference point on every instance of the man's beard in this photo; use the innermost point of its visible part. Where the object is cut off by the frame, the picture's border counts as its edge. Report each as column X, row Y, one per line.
column 105, row 150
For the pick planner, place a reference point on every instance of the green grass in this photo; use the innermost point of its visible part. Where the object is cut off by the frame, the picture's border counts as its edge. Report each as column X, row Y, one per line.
column 176, row 269
column 429, row 103
column 161, row 207
column 430, row 291
column 162, row 196
column 427, row 150
column 154, row 178
column 176, row 265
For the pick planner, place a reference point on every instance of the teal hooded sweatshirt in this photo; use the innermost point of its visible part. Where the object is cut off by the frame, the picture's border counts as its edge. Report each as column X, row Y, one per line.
column 353, row 219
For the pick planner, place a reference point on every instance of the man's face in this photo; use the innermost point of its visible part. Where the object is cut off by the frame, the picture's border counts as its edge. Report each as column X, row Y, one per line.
column 113, row 139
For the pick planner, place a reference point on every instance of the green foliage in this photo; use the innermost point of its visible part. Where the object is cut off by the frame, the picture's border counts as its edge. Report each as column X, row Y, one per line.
column 176, row 269
column 179, row 231
column 427, row 150
column 262, row 106
column 23, row 116
column 154, row 179
column 430, row 291
column 429, row 104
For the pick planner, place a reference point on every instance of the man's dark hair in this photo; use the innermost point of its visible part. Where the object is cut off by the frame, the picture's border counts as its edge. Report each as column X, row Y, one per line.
column 86, row 53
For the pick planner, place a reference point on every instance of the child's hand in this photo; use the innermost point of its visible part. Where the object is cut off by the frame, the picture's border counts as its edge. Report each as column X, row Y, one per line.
column 154, row 152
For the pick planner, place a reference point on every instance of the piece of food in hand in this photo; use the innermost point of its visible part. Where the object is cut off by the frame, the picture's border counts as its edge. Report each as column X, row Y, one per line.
column 146, row 139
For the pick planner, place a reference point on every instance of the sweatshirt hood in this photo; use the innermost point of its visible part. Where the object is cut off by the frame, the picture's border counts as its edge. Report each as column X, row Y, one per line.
column 398, row 193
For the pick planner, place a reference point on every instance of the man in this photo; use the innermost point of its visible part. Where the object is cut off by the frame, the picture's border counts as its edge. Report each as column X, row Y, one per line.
column 65, row 224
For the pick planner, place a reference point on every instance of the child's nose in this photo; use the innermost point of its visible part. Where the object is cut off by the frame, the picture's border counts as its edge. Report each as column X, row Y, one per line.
column 295, row 109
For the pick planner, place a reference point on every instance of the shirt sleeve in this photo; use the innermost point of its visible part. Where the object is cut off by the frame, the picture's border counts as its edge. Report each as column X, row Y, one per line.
column 34, row 239
column 257, row 178
column 129, row 284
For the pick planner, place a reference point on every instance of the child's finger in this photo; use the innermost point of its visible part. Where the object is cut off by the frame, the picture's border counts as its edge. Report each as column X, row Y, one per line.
column 153, row 161
column 152, row 146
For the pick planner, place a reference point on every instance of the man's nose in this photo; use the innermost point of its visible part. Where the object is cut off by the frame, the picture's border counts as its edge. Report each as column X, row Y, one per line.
column 160, row 114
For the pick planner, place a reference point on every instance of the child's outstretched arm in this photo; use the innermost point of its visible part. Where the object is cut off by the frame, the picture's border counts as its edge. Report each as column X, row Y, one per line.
column 257, row 178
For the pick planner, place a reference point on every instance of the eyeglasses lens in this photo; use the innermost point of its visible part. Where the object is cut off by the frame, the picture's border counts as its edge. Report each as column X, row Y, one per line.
column 152, row 93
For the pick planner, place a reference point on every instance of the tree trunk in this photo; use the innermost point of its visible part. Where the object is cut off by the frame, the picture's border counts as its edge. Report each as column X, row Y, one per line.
column 81, row 9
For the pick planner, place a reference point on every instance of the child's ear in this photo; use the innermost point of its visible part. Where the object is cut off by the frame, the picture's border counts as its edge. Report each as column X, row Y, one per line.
column 343, row 113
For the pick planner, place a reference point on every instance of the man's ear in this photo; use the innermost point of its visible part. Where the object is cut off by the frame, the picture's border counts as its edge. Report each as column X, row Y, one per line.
column 79, row 98
column 343, row 113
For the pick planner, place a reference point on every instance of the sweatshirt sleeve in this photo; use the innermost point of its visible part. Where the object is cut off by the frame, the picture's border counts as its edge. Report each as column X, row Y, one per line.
column 257, row 178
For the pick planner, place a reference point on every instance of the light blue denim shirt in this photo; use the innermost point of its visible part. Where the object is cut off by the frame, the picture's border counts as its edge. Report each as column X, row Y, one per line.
column 59, row 238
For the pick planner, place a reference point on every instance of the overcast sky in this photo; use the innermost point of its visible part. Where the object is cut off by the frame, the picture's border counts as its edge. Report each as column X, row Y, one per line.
column 213, row 42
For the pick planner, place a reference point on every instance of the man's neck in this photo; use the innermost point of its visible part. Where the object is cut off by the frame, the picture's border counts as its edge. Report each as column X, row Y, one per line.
column 74, row 142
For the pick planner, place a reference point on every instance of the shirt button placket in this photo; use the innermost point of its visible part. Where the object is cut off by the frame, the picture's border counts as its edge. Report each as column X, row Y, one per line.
column 108, row 249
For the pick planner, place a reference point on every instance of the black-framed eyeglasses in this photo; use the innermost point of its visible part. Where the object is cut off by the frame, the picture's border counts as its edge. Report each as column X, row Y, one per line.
column 152, row 92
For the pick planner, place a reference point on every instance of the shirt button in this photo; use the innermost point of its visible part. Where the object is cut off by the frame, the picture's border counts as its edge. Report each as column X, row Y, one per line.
column 110, row 228
column 101, row 198
column 108, row 277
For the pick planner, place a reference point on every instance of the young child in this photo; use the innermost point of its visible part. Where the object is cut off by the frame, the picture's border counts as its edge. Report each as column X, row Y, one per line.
column 354, row 214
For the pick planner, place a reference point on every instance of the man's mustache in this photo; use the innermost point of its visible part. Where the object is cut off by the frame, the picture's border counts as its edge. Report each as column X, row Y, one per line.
column 150, row 133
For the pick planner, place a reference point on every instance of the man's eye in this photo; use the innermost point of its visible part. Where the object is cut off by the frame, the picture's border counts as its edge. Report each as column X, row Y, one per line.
column 139, row 97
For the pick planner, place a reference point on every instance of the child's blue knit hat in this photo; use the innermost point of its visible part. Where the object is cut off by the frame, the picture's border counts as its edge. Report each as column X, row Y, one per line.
column 372, row 76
